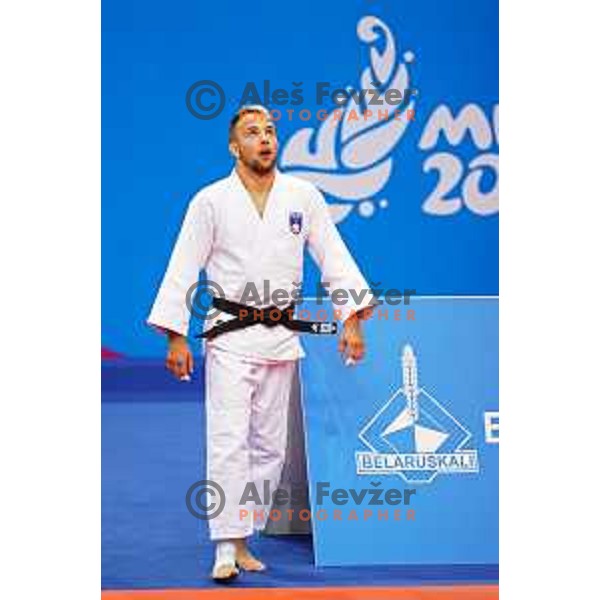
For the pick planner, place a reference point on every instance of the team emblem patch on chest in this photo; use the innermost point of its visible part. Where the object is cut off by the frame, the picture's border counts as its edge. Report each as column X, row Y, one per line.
column 295, row 222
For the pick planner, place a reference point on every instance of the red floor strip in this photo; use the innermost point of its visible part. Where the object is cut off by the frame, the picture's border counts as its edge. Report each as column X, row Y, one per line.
column 470, row 592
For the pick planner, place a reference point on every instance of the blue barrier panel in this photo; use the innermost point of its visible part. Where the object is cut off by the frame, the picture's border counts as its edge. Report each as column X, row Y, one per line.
column 419, row 414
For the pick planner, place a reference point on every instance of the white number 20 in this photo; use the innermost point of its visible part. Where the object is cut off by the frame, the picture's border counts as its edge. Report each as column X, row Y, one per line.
column 450, row 173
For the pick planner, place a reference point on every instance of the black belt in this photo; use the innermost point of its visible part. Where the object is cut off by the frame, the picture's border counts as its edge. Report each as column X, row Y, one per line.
column 248, row 316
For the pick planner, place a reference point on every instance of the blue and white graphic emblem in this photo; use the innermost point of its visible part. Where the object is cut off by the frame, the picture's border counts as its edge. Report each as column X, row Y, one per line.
column 296, row 222
column 414, row 436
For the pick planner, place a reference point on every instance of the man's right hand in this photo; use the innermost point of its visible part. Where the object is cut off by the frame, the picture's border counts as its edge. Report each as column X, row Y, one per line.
column 179, row 358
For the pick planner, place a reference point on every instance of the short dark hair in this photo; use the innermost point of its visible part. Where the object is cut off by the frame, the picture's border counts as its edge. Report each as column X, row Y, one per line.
column 244, row 110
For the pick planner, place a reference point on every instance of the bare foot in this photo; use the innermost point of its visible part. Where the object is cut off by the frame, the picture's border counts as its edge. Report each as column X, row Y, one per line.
column 244, row 558
column 225, row 572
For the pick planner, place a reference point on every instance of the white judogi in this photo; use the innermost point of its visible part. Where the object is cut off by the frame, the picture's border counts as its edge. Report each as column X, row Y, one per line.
column 248, row 380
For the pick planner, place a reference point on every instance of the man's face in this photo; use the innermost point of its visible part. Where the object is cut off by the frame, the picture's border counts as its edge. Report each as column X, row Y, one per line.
column 255, row 142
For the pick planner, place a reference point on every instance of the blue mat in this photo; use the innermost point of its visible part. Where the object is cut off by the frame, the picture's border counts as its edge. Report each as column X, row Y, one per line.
column 152, row 451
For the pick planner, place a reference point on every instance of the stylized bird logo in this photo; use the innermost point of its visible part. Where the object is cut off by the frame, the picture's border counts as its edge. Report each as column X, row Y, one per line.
column 352, row 161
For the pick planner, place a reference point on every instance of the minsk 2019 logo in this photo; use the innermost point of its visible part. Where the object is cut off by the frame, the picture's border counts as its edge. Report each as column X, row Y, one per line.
column 351, row 158
column 414, row 436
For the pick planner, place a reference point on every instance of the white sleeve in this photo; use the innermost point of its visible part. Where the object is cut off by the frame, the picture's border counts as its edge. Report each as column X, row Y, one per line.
column 189, row 257
column 339, row 271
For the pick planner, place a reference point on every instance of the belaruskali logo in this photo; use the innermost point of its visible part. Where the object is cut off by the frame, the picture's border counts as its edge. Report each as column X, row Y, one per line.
column 414, row 436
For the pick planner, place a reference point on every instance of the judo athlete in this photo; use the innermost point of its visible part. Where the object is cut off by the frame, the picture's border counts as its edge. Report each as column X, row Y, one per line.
column 249, row 228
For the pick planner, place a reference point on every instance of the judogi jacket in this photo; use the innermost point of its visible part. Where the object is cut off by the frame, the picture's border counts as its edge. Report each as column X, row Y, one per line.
column 224, row 234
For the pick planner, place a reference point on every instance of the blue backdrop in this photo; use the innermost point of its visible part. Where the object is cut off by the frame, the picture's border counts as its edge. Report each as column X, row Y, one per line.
column 415, row 200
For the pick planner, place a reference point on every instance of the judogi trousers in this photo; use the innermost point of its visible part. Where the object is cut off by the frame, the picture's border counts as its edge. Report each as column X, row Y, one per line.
column 247, row 405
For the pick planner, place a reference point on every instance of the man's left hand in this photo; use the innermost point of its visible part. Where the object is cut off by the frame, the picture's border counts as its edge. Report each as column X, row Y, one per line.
column 352, row 344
